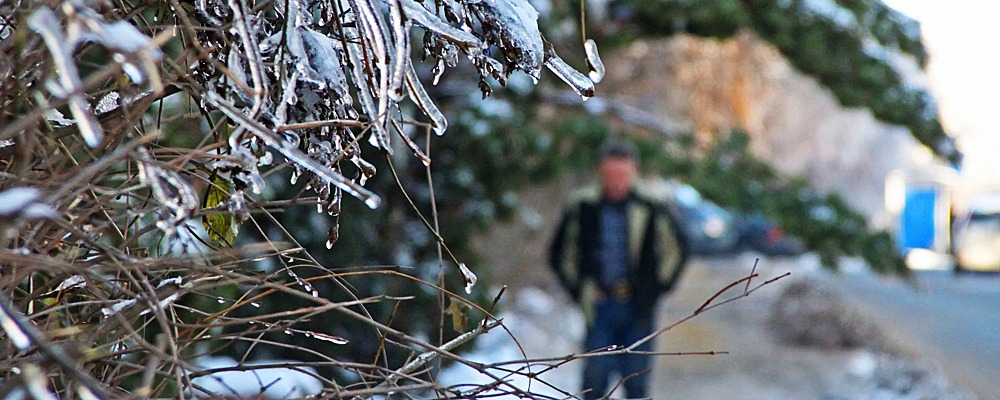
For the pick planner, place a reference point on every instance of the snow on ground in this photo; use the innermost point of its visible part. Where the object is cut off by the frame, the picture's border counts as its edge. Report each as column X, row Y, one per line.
column 545, row 326
column 263, row 383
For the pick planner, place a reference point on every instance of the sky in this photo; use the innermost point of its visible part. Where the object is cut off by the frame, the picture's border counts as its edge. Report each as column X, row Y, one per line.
column 963, row 39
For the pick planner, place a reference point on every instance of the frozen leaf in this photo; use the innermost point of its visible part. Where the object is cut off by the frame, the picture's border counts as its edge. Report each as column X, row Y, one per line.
column 401, row 58
column 515, row 23
column 174, row 195
column 374, row 36
column 163, row 303
column 74, row 281
column 57, row 118
column 356, row 54
column 317, row 59
column 459, row 314
column 171, row 281
column 469, row 276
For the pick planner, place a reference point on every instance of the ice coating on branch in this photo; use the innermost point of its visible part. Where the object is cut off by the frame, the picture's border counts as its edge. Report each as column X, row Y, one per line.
column 469, row 276
column 515, row 24
column 292, row 153
column 24, row 202
column 373, row 34
column 132, row 49
column 317, row 59
column 44, row 21
column 14, row 332
column 351, row 61
column 433, row 23
column 176, row 197
column 108, row 103
column 579, row 82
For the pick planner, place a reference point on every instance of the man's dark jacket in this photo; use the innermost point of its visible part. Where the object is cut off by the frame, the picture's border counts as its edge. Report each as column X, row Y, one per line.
column 657, row 250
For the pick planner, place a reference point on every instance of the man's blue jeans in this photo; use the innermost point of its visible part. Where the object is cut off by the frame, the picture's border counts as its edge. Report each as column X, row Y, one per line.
column 617, row 323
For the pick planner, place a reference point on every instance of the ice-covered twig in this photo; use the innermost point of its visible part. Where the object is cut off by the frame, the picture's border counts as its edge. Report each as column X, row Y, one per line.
column 426, row 357
column 292, row 153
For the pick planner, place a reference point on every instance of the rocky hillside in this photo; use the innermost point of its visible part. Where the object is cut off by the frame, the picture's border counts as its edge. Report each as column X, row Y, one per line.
column 711, row 86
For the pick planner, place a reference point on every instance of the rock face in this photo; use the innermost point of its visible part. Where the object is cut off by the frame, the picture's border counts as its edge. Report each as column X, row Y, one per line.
column 810, row 315
column 713, row 86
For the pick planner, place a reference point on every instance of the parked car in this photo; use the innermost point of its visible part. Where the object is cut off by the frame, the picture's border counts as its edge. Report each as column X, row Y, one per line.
column 976, row 240
column 708, row 228
column 711, row 229
column 765, row 236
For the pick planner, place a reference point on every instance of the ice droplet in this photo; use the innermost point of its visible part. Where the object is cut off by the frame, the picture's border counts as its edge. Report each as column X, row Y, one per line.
column 373, row 202
column 470, row 277
column 288, row 331
column 221, row 300
column 266, row 159
column 327, row 338
column 256, row 305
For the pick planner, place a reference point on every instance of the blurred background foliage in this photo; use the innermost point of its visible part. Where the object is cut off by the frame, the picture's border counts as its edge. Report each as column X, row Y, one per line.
column 852, row 47
column 498, row 147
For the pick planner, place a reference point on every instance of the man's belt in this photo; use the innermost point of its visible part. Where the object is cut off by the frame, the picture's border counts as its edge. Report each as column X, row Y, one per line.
column 619, row 291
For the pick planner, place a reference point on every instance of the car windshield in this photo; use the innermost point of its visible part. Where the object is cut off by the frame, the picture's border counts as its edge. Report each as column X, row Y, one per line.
column 984, row 219
column 687, row 196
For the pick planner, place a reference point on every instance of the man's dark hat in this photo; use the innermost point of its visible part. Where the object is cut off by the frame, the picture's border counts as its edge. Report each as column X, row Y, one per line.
column 618, row 149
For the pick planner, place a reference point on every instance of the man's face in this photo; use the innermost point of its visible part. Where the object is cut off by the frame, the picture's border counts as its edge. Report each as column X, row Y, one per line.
column 617, row 175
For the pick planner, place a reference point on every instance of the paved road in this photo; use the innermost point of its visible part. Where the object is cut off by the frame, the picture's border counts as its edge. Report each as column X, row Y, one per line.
column 951, row 321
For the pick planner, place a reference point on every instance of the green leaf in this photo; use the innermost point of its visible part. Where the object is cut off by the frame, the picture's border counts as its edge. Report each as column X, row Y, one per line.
column 220, row 226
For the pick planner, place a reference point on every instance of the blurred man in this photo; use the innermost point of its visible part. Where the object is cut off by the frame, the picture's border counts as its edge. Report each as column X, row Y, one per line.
column 616, row 251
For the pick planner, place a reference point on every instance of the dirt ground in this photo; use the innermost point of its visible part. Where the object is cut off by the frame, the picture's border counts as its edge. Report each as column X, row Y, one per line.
column 757, row 366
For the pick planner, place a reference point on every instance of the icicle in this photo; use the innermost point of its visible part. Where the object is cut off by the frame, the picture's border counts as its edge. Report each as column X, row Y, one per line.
column 401, row 42
column 594, row 61
column 356, row 55
column 582, row 84
column 420, row 97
